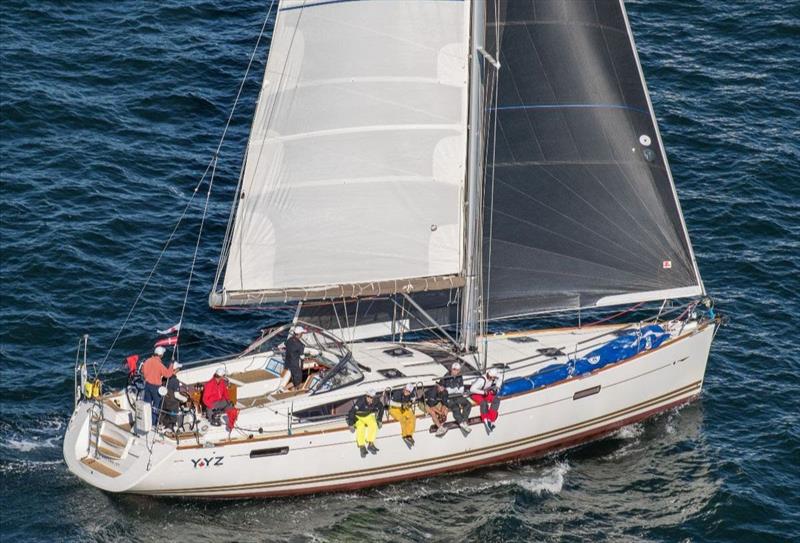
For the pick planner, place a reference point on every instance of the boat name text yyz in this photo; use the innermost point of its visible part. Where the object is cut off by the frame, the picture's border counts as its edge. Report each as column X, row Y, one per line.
column 207, row 462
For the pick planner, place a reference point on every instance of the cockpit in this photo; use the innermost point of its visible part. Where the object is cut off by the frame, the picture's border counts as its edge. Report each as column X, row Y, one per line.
column 326, row 363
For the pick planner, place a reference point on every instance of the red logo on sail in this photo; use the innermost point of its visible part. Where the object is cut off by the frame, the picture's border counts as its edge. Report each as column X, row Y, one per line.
column 667, row 264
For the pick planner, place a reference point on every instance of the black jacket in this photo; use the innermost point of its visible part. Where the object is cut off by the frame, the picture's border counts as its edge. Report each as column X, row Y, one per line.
column 399, row 400
column 362, row 409
column 454, row 384
column 294, row 351
column 173, row 384
column 433, row 397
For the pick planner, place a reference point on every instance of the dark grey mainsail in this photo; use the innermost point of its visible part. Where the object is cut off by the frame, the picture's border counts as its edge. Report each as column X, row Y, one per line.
column 581, row 209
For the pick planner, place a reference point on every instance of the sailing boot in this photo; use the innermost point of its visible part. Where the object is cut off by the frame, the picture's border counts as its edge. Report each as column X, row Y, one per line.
column 488, row 425
column 372, row 448
column 409, row 441
column 441, row 431
column 464, row 427
column 363, row 450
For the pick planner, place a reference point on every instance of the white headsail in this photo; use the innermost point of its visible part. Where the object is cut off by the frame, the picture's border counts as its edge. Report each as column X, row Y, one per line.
column 354, row 178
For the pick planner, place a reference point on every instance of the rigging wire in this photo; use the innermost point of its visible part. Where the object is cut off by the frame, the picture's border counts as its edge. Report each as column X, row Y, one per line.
column 212, row 163
column 226, row 244
column 194, row 256
column 153, row 269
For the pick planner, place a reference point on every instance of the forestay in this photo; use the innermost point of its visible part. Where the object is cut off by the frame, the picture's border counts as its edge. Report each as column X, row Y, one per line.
column 582, row 210
column 354, row 174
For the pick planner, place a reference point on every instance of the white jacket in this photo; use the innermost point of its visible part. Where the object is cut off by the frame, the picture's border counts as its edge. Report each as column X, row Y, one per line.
column 482, row 385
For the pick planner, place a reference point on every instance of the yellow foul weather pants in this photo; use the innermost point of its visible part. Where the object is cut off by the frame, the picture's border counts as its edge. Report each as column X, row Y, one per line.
column 366, row 429
column 405, row 416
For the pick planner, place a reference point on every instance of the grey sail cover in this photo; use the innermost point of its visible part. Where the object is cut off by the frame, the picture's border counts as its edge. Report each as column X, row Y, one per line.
column 580, row 206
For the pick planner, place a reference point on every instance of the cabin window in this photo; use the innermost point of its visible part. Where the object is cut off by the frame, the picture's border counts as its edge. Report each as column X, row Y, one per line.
column 276, row 451
column 325, row 411
column 586, row 392
column 346, row 372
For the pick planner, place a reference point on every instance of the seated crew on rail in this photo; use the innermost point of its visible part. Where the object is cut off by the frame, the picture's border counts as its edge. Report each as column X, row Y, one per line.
column 436, row 406
column 457, row 402
column 484, row 392
column 364, row 419
column 401, row 407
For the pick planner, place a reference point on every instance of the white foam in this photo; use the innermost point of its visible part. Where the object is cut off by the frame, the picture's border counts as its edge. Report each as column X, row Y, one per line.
column 551, row 481
column 43, row 435
column 26, row 466
column 630, row 432
column 30, row 444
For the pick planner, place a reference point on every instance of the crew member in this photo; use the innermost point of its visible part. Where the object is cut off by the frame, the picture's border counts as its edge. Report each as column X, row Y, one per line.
column 401, row 408
column 171, row 398
column 215, row 396
column 173, row 384
column 365, row 419
column 294, row 355
column 171, row 406
column 436, row 406
column 457, row 402
column 153, row 371
column 484, row 393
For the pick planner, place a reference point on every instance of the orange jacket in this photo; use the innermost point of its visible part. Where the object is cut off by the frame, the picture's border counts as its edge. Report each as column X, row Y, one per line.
column 153, row 370
column 214, row 391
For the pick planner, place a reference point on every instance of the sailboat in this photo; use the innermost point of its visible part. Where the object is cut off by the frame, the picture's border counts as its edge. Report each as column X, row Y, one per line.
column 420, row 176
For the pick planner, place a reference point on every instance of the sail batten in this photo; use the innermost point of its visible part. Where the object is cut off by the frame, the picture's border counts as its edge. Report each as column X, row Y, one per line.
column 355, row 165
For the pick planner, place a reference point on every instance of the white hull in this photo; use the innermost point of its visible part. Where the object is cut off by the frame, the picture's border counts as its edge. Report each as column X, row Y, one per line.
column 321, row 459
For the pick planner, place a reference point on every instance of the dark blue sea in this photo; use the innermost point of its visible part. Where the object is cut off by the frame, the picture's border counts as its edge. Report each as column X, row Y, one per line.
column 112, row 110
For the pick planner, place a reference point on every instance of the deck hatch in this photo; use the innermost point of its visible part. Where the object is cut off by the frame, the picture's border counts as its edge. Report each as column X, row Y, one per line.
column 391, row 373
column 551, row 351
column 398, row 351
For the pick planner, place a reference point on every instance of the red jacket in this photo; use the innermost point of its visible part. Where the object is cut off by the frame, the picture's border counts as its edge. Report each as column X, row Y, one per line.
column 215, row 391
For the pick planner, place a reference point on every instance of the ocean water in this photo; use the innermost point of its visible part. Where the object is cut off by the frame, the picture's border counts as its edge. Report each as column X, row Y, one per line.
column 110, row 112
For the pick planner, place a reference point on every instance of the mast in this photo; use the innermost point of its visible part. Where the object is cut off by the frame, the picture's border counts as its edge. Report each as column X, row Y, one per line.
column 472, row 255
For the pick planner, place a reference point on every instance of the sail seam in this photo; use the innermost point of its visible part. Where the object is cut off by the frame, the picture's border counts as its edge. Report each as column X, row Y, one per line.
column 569, row 106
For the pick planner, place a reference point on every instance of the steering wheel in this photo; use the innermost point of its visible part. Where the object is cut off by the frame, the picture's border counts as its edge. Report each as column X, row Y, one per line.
column 134, row 388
